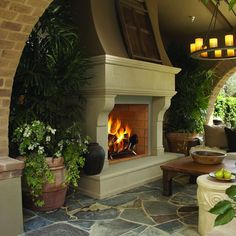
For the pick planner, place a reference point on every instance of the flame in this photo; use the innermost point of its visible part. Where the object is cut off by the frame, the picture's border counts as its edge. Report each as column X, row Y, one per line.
column 118, row 133
column 113, row 127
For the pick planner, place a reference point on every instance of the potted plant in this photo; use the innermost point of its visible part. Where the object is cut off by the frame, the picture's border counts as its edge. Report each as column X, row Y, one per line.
column 186, row 115
column 49, row 165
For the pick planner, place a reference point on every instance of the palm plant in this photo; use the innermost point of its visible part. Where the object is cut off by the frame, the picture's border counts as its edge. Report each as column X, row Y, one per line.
column 50, row 73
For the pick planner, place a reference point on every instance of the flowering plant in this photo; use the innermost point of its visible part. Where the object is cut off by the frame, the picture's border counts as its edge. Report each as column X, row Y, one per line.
column 36, row 141
column 35, row 137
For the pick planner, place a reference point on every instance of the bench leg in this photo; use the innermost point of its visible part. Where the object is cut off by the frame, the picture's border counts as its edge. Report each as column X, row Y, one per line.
column 167, row 182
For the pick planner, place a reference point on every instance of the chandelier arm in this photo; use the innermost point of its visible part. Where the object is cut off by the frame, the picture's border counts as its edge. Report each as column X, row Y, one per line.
column 216, row 13
column 211, row 22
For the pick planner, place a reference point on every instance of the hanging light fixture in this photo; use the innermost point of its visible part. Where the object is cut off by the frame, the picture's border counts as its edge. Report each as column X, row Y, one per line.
column 209, row 48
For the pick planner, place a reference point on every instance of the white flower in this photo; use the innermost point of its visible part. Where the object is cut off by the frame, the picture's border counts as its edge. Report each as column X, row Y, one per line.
column 50, row 129
column 58, row 154
column 48, row 138
column 31, row 147
column 27, row 132
column 41, row 150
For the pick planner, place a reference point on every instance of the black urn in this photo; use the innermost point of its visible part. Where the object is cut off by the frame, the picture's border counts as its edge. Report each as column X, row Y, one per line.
column 94, row 159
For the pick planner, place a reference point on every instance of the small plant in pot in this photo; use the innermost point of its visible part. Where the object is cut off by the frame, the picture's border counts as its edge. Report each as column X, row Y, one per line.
column 49, row 165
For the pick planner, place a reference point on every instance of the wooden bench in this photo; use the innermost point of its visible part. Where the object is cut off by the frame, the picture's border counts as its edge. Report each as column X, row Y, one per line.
column 186, row 165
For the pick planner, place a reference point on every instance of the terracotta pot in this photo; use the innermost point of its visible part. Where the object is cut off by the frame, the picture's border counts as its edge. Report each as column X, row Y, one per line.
column 53, row 193
column 179, row 142
column 94, row 159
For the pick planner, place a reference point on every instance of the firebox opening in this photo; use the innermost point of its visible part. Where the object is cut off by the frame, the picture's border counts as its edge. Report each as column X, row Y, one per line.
column 128, row 131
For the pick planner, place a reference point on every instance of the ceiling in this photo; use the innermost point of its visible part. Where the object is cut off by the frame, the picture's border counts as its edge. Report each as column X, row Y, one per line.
column 184, row 18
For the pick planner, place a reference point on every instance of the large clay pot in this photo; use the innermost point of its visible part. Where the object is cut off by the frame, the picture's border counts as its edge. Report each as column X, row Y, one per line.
column 181, row 142
column 53, row 193
column 94, row 159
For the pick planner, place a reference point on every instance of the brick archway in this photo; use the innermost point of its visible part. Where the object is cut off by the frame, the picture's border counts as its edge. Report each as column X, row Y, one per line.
column 17, row 18
column 223, row 70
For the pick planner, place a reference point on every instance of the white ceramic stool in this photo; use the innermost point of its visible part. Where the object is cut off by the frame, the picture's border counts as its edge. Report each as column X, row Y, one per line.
column 210, row 192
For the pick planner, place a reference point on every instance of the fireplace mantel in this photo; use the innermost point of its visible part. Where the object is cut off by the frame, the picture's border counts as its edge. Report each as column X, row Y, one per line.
column 113, row 75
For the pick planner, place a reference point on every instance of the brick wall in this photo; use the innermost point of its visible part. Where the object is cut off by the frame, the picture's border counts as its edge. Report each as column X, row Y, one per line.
column 17, row 18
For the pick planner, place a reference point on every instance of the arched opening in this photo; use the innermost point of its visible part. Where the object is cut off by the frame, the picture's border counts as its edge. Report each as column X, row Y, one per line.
column 223, row 70
column 15, row 25
column 17, row 19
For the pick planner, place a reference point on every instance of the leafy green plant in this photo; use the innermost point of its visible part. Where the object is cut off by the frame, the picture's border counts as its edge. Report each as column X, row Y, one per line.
column 225, row 108
column 193, row 85
column 36, row 141
column 51, row 72
column 225, row 209
column 33, row 141
column 74, row 146
column 188, row 107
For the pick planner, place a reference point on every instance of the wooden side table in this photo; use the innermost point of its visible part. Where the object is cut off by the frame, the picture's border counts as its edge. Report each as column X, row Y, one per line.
column 209, row 192
column 186, row 165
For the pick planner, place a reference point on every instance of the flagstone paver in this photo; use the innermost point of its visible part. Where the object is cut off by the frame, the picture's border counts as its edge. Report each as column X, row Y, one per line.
column 142, row 211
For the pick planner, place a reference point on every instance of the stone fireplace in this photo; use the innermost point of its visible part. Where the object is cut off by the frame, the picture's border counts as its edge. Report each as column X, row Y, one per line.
column 121, row 82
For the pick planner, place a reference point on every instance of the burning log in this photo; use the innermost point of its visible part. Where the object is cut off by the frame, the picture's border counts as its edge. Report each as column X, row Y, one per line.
column 126, row 152
column 120, row 143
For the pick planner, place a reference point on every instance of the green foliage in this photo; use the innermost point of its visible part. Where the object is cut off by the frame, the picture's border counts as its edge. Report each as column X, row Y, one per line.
column 231, row 3
column 225, row 108
column 225, row 209
column 188, row 107
column 193, row 84
column 74, row 147
column 229, row 89
column 50, row 73
column 35, row 142
column 37, row 173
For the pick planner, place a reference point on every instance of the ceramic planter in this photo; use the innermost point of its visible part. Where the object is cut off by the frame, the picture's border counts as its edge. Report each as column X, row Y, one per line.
column 53, row 193
column 94, row 159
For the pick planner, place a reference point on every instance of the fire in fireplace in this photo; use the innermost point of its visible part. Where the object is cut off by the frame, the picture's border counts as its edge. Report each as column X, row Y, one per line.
column 120, row 141
column 128, row 131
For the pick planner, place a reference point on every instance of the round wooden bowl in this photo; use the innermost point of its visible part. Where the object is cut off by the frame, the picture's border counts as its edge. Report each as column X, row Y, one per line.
column 208, row 157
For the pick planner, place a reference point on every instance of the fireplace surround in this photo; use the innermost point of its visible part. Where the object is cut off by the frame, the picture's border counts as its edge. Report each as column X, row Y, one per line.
column 117, row 80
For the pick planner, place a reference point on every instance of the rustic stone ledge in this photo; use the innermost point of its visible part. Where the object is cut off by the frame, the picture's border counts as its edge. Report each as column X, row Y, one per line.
column 10, row 174
column 10, row 168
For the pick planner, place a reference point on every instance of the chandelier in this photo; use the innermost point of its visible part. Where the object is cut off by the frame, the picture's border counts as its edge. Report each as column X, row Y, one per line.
column 209, row 48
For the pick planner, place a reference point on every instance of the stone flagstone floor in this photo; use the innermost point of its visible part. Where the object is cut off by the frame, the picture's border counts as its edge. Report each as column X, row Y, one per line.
column 142, row 211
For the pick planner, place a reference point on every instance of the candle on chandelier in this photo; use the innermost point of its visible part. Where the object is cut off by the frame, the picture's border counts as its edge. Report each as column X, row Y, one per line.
column 218, row 53
column 230, row 52
column 213, row 42
column 204, row 54
column 229, row 40
column 192, row 47
column 198, row 43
